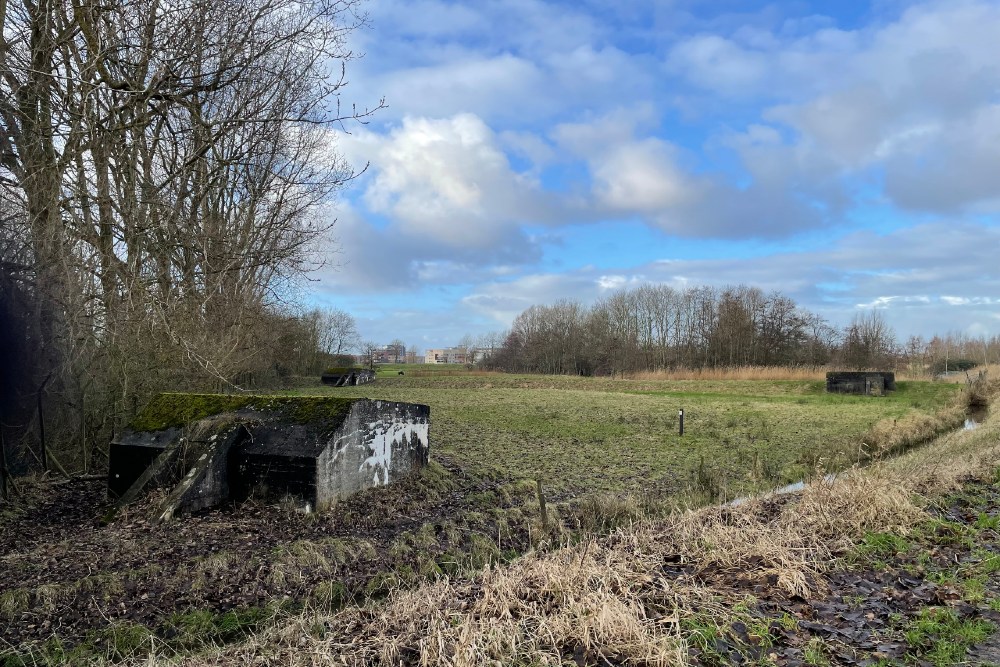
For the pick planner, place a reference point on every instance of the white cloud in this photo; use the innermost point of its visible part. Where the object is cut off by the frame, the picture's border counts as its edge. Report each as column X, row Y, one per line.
column 652, row 178
column 642, row 176
column 490, row 86
column 447, row 184
column 856, row 273
column 507, row 115
column 916, row 97
column 719, row 64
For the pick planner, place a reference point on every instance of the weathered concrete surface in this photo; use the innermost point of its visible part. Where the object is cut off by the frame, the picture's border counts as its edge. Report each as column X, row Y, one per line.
column 347, row 377
column 379, row 442
column 319, row 450
column 139, row 458
column 206, row 482
column 872, row 383
column 279, row 459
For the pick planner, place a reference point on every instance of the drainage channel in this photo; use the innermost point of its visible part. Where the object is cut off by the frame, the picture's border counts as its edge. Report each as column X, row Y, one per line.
column 974, row 418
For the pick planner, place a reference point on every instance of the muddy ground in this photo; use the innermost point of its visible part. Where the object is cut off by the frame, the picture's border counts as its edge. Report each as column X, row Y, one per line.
column 66, row 576
column 929, row 598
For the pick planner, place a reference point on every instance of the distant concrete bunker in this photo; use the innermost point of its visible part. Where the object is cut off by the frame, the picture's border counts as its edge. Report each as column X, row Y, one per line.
column 347, row 377
column 210, row 448
column 869, row 383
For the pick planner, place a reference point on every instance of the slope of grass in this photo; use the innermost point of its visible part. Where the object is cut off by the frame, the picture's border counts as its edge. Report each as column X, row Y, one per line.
column 597, row 434
column 661, row 591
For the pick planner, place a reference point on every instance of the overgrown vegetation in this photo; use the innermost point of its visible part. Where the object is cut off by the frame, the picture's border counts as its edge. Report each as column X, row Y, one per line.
column 615, row 479
column 177, row 410
column 161, row 178
column 775, row 580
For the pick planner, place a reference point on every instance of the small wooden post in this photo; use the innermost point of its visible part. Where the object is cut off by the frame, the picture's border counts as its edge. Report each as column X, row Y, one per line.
column 541, row 504
column 680, row 421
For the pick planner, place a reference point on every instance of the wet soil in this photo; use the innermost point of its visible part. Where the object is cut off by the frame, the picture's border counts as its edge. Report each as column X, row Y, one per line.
column 78, row 576
column 874, row 596
column 65, row 575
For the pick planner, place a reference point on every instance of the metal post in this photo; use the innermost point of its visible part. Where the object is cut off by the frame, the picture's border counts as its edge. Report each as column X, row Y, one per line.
column 680, row 415
column 541, row 504
column 4, row 493
column 41, row 424
column 41, row 434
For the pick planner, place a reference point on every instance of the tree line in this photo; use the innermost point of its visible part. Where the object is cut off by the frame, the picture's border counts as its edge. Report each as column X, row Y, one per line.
column 657, row 327
column 163, row 172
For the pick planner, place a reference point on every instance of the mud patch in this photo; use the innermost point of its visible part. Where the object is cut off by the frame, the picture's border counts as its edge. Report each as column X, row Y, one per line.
column 67, row 577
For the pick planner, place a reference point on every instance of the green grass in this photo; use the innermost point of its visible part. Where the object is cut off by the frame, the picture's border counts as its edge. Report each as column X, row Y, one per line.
column 171, row 410
column 876, row 548
column 601, row 434
column 940, row 637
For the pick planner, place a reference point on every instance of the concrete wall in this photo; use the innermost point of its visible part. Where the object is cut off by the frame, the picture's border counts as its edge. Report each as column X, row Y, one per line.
column 132, row 455
column 238, row 454
column 350, row 378
column 206, row 482
column 874, row 383
column 378, row 443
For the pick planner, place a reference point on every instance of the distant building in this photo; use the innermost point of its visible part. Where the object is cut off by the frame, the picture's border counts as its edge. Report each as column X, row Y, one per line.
column 447, row 355
column 455, row 355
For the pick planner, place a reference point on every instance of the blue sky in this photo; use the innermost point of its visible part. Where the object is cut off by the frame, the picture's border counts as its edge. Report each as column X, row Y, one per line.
column 844, row 153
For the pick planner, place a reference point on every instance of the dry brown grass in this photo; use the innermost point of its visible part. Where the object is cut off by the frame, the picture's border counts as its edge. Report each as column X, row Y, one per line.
column 775, row 373
column 737, row 373
column 959, row 377
column 609, row 596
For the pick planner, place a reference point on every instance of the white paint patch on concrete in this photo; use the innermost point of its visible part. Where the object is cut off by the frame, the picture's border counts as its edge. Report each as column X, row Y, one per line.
column 349, row 437
column 383, row 436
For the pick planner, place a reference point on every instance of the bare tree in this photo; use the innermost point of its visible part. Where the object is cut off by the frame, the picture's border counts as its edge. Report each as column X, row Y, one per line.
column 338, row 331
column 164, row 169
column 397, row 350
column 869, row 342
column 370, row 350
column 654, row 327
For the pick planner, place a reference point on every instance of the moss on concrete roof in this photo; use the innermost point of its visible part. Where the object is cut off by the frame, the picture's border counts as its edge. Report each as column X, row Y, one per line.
column 176, row 410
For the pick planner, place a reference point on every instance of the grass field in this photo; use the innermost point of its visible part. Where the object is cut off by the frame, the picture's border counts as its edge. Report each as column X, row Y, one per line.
column 611, row 435
column 607, row 453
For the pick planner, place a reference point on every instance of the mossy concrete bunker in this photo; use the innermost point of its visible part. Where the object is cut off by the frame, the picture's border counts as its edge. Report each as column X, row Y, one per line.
column 870, row 383
column 347, row 377
column 208, row 448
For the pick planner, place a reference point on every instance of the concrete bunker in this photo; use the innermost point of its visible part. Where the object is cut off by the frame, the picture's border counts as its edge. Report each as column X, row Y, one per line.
column 210, row 448
column 866, row 383
column 347, row 377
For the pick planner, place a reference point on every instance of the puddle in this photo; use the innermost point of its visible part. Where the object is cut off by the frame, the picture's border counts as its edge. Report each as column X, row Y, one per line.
column 974, row 417
column 780, row 491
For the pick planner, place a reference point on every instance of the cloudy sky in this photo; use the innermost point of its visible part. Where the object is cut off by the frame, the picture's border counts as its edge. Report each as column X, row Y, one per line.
column 844, row 153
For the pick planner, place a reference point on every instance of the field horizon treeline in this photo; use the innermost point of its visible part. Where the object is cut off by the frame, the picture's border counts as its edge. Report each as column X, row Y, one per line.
column 656, row 327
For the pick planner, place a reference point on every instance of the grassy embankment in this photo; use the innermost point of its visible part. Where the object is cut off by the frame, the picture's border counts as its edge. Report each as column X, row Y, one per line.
column 669, row 591
column 584, row 435
column 591, row 441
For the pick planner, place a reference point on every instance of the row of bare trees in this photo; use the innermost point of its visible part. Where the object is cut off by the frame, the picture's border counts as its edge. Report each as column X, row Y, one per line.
column 656, row 327
column 163, row 173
